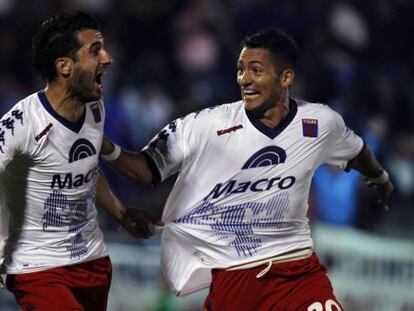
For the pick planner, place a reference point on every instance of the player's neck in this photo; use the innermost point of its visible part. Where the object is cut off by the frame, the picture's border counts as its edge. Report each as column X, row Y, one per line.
column 63, row 103
column 273, row 116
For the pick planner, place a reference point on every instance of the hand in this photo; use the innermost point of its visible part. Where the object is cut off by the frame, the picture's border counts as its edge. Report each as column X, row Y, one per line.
column 140, row 223
column 383, row 192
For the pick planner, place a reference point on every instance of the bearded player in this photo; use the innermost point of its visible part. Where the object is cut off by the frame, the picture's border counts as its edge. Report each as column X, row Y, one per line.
column 51, row 247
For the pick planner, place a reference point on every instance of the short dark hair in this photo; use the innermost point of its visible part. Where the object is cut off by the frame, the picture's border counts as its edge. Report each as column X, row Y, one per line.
column 57, row 37
column 283, row 47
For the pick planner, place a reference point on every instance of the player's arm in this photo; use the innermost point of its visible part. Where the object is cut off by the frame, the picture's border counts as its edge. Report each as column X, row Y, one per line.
column 367, row 164
column 15, row 133
column 345, row 145
column 137, row 222
column 132, row 165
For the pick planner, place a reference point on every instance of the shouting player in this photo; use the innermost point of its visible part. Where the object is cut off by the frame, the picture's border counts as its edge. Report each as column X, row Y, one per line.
column 236, row 217
column 51, row 247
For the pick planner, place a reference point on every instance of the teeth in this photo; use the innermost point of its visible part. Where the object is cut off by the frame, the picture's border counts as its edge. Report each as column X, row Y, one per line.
column 250, row 92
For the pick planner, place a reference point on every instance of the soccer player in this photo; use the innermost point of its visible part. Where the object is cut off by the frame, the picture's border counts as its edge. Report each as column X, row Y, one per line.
column 51, row 247
column 236, row 217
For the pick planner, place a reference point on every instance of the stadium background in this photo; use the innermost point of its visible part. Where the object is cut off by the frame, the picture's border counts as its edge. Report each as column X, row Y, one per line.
column 173, row 57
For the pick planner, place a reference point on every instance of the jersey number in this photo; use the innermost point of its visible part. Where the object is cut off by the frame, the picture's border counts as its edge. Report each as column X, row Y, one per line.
column 330, row 305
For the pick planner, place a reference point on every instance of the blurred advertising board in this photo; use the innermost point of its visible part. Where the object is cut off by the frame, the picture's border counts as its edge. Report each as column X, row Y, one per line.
column 368, row 272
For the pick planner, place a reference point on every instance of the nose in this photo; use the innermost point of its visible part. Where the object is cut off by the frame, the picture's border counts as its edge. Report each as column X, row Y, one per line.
column 106, row 58
column 244, row 78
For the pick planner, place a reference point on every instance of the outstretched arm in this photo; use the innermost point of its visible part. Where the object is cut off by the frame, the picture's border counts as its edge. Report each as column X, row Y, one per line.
column 132, row 165
column 367, row 164
column 138, row 222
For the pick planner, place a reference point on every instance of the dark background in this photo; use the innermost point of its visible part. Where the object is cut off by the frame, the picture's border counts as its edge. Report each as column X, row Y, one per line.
column 173, row 57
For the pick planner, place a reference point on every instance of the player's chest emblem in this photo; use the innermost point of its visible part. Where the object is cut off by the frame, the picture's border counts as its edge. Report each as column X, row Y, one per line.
column 81, row 149
column 271, row 155
column 310, row 127
column 96, row 112
column 229, row 130
column 43, row 132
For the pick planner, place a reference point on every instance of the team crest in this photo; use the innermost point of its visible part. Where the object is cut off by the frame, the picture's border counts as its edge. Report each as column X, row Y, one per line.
column 96, row 112
column 310, row 127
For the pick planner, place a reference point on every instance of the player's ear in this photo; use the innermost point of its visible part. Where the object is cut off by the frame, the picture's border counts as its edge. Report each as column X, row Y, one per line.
column 64, row 66
column 287, row 77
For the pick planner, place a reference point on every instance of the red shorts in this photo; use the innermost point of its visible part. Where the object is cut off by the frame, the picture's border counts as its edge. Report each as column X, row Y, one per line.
column 300, row 285
column 82, row 286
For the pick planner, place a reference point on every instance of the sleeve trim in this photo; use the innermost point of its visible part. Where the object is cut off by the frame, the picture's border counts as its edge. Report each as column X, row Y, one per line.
column 156, row 176
column 348, row 165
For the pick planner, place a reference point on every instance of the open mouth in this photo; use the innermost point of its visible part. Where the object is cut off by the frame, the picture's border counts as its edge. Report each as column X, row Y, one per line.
column 98, row 79
column 249, row 94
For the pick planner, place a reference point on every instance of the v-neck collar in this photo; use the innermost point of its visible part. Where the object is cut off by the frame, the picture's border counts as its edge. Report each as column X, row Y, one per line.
column 273, row 132
column 73, row 126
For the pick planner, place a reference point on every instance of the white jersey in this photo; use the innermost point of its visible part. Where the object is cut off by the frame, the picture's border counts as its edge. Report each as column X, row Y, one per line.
column 48, row 169
column 242, row 190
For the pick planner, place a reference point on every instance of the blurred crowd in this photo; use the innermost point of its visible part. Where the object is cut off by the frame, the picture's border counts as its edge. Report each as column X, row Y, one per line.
column 172, row 57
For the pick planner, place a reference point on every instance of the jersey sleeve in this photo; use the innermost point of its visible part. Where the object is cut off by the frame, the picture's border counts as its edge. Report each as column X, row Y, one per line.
column 344, row 144
column 168, row 148
column 172, row 146
column 14, row 132
column 13, row 137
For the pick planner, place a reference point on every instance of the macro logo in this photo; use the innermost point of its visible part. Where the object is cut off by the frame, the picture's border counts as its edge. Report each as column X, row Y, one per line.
column 234, row 223
column 267, row 156
column 81, row 149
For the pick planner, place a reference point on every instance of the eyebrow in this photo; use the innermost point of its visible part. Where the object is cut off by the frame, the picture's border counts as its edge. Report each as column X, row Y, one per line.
column 253, row 62
column 96, row 44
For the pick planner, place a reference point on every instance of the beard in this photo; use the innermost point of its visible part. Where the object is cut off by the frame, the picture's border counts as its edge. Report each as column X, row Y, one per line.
column 81, row 86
